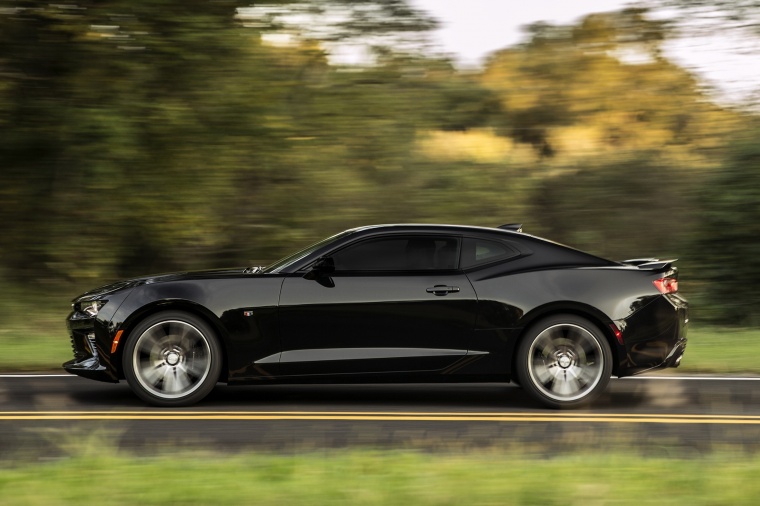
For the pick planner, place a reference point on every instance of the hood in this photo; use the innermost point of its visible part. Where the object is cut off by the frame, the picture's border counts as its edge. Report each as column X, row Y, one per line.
column 158, row 278
column 178, row 276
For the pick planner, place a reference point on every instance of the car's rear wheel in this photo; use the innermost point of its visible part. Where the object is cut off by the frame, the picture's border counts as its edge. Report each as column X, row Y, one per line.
column 172, row 358
column 564, row 361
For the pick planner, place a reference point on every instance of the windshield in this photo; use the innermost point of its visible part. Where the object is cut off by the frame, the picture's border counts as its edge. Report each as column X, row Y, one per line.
column 284, row 262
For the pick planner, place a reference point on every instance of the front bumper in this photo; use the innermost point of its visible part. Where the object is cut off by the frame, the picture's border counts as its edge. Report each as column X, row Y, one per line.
column 84, row 343
column 89, row 368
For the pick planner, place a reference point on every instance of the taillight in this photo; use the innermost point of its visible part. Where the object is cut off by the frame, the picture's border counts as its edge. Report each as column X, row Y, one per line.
column 666, row 285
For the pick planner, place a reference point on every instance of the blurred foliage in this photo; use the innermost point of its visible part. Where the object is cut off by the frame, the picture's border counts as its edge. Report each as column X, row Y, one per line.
column 704, row 15
column 726, row 244
column 150, row 136
column 594, row 208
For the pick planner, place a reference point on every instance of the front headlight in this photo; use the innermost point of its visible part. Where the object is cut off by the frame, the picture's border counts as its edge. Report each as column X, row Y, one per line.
column 90, row 307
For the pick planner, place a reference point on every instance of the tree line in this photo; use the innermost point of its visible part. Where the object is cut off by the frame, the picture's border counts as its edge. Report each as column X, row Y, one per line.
column 144, row 136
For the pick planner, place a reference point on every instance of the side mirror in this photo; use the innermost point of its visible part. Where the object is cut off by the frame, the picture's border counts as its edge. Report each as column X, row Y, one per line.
column 322, row 267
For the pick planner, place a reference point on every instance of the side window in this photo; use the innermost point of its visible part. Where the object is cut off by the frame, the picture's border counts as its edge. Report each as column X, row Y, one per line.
column 483, row 251
column 399, row 254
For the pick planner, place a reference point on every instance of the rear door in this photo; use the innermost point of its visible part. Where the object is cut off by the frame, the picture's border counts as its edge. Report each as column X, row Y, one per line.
column 395, row 303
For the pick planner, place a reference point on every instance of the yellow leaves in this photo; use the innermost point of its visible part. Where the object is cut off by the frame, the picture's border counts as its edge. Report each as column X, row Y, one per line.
column 477, row 145
column 578, row 141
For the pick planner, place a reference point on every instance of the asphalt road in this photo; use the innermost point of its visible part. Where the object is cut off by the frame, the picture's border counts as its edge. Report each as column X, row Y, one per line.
column 53, row 416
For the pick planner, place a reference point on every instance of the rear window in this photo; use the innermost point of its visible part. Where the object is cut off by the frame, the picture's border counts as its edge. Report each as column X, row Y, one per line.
column 484, row 251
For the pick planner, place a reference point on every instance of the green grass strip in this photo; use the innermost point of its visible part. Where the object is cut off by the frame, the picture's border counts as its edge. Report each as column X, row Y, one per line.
column 722, row 351
column 379, row 478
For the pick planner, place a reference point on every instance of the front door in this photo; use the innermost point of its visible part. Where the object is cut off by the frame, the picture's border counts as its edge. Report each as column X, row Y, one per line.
column 393, row 304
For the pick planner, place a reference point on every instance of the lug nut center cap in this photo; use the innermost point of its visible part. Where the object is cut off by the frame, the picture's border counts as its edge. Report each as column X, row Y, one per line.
column 172, row 358
column 564, row 361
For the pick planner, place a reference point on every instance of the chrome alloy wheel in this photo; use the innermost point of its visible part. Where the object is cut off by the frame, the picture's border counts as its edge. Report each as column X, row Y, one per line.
column 171, row 359
column 565, row 362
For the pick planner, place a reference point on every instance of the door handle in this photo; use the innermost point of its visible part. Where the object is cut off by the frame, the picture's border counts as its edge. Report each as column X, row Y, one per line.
column 442, row 289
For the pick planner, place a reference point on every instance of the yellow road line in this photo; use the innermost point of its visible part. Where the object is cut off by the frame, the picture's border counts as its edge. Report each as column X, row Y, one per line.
column 555, row 414
column 383, row 416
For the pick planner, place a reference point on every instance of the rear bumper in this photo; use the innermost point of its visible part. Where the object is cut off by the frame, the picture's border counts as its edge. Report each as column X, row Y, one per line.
column 655, row 336
column 674, row 359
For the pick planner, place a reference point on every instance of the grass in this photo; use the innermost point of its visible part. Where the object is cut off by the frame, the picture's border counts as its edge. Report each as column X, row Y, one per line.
column 391, row 477
column 33, row 335
column 717, row 350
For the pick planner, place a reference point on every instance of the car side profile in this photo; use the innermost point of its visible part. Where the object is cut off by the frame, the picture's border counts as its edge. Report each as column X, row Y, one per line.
column 389, row 303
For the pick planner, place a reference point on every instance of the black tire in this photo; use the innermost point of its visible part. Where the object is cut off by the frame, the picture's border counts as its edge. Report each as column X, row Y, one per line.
column 564, row 361
column 172, row 358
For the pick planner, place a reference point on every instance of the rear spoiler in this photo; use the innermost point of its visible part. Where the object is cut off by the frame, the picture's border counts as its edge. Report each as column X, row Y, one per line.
column 515, row 227
column 653, row 264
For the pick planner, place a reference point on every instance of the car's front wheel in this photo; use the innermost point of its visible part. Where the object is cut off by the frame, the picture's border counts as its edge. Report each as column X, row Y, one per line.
column 172, row 358
column 564, row 361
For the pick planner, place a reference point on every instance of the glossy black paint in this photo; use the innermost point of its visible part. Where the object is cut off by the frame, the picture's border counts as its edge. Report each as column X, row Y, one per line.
column 383, row 312
column 290, row 323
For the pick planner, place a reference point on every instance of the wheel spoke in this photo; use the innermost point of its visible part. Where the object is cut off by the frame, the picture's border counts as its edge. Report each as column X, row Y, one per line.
column 547, row 346
column 193, row 368
column 185, row 339
column 167, row 386
column 166, row 329
column 182, row 379
column 174, row 381
column 543, row 372
column 584, row 375
column 153, row 374
column 565, row 386
column 147, row 345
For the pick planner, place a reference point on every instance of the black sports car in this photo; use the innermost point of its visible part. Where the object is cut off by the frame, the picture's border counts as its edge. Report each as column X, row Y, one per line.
column 389, row 303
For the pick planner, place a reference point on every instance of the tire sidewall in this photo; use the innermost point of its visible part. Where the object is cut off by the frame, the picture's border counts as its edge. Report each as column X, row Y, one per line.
column 215, row 352
column 523, row 352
